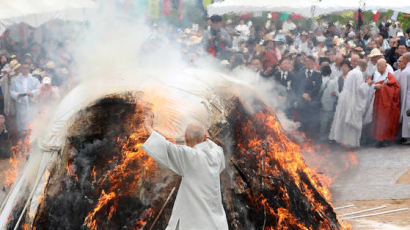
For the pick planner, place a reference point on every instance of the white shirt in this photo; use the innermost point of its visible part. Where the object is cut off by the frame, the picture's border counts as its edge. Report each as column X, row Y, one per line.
column 198, row 205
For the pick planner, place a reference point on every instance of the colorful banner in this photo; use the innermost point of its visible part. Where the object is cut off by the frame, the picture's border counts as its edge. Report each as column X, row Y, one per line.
column 202, row 7
column 376, row 17
column 153, row 8
column 166, row 7
column 284, row 16
column 180, row 9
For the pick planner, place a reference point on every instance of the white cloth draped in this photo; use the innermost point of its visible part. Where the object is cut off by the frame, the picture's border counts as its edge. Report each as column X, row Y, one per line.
column 199, row 202
column 347, row 123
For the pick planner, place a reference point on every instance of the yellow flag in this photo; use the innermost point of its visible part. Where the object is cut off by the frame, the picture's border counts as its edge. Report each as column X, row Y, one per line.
column 206, row 3
column 153, row 8
column 348, row 14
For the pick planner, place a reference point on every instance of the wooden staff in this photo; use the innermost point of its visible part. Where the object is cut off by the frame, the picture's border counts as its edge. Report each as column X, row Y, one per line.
column 162, row 209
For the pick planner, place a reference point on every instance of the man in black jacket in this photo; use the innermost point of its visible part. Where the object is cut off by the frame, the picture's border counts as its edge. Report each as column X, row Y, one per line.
column 284, row 85
column 307, row 93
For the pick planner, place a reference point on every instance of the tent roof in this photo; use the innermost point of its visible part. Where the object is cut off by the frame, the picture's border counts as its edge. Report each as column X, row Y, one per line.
column 304, row 7
column 36, row 12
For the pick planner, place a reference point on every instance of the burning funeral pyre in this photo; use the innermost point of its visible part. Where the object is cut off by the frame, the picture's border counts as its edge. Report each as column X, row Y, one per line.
column 101, row 179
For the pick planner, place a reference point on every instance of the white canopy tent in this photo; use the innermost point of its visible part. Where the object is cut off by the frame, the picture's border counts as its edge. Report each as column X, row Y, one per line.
column 306, row 8
column 37, row 12
column 332, row 6
column 302, row 7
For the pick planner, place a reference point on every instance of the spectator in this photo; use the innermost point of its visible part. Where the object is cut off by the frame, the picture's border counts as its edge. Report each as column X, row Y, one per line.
column 405, row 99
column 217, row 40
column 328, row 98
column 386, row 108
column 345, row 67
column 347, row 123
column 4, row 138
column 307, row 87
column 23, row 89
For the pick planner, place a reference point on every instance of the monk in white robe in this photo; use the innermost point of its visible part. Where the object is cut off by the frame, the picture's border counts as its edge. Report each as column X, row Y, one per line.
column 198, row 205
column 404, row 82
column 347, row 123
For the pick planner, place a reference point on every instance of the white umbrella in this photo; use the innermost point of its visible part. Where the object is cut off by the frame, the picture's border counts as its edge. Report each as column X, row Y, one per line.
column 302, row 7
column 37, row 12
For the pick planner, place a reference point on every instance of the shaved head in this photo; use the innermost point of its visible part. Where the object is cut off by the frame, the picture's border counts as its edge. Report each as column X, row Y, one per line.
column 354, row 60
column 194, row 134
column 406, row 58
column 381, row 65
column 363, row 64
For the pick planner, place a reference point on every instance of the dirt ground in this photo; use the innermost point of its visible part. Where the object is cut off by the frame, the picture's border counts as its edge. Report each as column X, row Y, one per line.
column 399, row 219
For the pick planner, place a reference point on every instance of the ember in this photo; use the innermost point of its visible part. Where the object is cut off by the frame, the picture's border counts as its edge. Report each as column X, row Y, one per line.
column 105, row 180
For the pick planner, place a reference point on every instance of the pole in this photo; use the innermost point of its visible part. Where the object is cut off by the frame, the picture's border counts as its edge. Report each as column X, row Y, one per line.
column 376, row 214
column 162, row 209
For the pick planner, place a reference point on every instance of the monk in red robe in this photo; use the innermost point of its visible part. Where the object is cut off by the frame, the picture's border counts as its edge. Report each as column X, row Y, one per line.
column 386, row 108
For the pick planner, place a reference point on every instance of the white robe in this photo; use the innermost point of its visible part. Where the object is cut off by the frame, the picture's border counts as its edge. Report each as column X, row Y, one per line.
column 24, row 105
column 404, row 82
column 347, row 123
column 198, row 205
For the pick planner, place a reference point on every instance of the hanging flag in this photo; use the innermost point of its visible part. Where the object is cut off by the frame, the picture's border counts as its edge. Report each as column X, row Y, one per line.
column 284, row 16
column 296, row 16
column 202, row 7
column 153, row 8
column 395, row 15
column 180, row 8
column 257, row 14
column 274, row 16
column 348, row 14
column 245, row 16
column 206, row 3
column 376, row 16
column 166, row 7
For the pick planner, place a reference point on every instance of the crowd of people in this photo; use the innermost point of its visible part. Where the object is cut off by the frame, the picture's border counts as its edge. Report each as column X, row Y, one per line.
column 343, row 84
column 32, row 78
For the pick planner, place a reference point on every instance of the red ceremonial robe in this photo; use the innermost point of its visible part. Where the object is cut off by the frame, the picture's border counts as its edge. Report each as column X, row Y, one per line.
column 386, row 109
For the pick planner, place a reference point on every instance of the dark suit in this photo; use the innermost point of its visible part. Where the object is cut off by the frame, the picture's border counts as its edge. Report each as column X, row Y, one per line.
column 308, row 112
column 285, row 87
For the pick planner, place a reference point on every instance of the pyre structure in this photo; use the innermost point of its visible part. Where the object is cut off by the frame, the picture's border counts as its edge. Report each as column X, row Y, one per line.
column 103, row 180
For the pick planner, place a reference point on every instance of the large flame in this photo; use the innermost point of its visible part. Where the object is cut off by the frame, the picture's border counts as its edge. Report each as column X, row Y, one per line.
column 18, row 157
column 263, row 140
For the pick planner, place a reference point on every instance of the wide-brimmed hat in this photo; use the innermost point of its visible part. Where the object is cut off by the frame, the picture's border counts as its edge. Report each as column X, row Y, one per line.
column 46, row 80
column 375, row 53
column 14, row 65
column 50, row 65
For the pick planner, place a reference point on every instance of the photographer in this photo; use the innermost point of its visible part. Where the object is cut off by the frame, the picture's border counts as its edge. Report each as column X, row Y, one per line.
column 217, row 40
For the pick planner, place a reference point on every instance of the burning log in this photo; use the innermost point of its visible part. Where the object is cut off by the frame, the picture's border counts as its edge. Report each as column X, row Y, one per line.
column 105, row 181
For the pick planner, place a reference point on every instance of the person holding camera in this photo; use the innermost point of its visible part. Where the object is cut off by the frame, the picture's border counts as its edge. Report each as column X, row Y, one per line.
column 217, row 39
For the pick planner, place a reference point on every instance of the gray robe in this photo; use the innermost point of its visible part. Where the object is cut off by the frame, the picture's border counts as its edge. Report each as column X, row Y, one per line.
column 9, row 106
column 347, row 124
column 198, row 205
column 404, row 82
